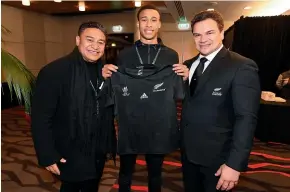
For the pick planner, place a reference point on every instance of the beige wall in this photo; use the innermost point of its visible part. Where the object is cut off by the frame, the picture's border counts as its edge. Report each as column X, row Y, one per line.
column 38, row 39
column 180, row 41
column 286, row 12
column 71, row 24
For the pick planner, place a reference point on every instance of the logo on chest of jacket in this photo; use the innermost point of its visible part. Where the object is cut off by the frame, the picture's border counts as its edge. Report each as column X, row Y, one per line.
column 158, row 87
column 217, row 92
column 125, row 91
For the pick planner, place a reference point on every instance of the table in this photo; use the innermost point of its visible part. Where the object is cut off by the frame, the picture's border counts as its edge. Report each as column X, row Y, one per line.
column 274, row 122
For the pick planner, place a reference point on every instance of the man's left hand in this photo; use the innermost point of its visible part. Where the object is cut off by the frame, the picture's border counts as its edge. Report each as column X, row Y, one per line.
column 228, row 178
column 182, row 70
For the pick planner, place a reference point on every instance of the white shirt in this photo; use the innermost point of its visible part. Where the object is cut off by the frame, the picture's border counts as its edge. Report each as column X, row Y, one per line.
column 209, row 58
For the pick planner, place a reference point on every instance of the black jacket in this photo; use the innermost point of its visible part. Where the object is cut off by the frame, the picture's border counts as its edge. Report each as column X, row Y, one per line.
column 51, row 122
column 219, row 120
column 130, row 59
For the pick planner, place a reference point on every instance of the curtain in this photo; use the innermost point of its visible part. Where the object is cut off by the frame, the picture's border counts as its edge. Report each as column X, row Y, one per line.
column 266, row 40
column 228, row 37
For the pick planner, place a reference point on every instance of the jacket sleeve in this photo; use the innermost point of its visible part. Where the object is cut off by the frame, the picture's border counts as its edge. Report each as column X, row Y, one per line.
column 44, row 104
column 175, row 58
column 246, row 95
column 179, row 87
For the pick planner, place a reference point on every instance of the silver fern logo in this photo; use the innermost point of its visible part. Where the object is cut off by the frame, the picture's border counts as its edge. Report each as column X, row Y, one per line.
column 157, row 87
column 217, row 92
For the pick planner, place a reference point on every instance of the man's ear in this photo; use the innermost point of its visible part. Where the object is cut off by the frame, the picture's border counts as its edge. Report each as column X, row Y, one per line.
column 77, row 40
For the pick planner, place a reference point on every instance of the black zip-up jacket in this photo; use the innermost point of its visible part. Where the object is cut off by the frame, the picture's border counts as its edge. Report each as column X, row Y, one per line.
column 130, row 59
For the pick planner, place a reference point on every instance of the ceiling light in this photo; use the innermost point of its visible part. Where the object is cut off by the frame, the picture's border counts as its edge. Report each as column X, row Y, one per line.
column 26, row 2
column 137, row 3
column 210, row 9
column 58, row 1
column 113, row 44
column 248, row 7
column 82, row 6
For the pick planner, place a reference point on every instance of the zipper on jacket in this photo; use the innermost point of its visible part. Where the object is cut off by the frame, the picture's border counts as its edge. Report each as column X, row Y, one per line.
column 148, row 54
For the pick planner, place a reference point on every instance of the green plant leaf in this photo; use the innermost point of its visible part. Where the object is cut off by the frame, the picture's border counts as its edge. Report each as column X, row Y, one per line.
column 19, row 78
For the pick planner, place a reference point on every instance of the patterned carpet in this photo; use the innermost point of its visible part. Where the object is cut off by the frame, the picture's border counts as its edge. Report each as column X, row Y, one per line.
column 269, row 168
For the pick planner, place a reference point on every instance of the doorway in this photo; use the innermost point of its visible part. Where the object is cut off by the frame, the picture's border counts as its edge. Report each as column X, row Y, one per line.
column 116, row 43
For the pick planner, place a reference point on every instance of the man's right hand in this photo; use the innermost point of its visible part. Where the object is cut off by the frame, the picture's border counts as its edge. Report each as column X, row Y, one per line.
column 285, row 81
column 108, row 69
column 54, row 168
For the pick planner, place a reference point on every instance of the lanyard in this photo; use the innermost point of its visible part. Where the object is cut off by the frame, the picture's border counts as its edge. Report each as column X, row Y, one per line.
column 96, row 95
column 140, row 59
column 96, row 92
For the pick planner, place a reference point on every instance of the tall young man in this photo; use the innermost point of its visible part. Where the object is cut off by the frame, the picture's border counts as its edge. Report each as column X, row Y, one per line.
column 147, row 50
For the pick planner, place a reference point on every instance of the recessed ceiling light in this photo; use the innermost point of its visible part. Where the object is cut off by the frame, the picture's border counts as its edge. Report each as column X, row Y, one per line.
column 138, row 3
column 248, row 7
column 210, row 9
column 25, row 2
column 82, row 6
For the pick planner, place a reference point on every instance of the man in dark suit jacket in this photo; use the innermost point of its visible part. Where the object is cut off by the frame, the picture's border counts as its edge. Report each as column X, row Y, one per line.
column 220, row 110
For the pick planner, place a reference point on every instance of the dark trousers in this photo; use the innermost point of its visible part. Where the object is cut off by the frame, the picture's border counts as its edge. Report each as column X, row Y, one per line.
column 198, row 178
column 91, row 185
column 154, row 167
column 82, row 186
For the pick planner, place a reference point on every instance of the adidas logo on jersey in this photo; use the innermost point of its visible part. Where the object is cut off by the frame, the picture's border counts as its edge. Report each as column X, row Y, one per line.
column 144, row 96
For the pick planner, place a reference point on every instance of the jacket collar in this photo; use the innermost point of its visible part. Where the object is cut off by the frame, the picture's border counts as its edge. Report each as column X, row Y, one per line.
column 140, row 44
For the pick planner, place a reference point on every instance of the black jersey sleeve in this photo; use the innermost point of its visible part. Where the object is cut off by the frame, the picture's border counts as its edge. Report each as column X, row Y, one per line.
column 110, row 93
column 179, row 89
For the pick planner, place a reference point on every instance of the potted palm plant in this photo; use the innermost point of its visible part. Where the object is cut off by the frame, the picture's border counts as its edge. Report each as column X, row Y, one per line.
column 19, row 79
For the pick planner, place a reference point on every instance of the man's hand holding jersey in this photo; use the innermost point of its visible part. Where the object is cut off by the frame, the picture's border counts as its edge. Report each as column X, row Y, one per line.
column 180, row 69
column 108, row 70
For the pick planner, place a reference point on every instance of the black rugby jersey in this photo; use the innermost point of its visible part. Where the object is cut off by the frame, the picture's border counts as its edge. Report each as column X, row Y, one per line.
column 145, row 108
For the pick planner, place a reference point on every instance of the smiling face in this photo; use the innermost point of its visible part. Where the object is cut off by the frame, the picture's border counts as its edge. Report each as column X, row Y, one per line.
column 149, row 24
column 91, row 44
column 207, row 36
